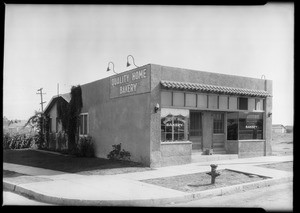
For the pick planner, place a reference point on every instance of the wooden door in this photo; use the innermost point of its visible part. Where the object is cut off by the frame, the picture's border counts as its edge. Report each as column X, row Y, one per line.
column 196, row 130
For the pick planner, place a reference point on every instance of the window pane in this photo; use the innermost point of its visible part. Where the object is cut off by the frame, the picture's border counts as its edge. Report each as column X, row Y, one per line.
column 85, row 125
column 213, row 102
column 178, row 99
column 166, row 98
column 202, row 101
column 243, row 103
column 250, row 126
column 190, row 100
column 169, row 137
column 232, row 126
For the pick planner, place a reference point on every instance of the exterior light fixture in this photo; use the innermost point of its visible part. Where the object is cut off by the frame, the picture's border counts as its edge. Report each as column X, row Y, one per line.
column 108, row 69
column 156, row 108
column 269, row 114
column 128, row 64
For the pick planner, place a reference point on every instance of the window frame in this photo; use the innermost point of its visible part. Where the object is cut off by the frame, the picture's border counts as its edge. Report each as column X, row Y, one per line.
column 87, row 124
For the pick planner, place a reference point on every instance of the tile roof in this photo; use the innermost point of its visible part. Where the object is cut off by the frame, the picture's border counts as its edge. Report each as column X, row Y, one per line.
column 213, row 88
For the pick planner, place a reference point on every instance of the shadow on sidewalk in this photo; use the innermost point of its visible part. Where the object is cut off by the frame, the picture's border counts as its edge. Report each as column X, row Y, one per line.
column 63, row 163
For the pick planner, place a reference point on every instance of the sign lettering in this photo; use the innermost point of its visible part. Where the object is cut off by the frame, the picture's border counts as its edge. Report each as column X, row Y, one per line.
column 130, row 83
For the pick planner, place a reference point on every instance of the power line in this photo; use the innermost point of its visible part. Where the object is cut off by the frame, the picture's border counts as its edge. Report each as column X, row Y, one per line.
column 42, row 102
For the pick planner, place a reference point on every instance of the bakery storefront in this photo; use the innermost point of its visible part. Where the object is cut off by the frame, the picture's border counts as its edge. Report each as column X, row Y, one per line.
column 214, row 120
column 164, row 115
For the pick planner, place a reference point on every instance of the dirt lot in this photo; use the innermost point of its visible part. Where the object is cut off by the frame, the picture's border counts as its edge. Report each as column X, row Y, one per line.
column 285, row 166
column 202, row 181
column 282, row 144
column 69, row 164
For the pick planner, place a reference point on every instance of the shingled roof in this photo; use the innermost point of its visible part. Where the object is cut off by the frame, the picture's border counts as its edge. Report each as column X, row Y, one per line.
column 214, row 88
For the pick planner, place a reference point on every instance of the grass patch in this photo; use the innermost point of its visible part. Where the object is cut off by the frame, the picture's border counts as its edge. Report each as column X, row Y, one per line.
column 202, row 181
column 69, row 164
column 285, row 166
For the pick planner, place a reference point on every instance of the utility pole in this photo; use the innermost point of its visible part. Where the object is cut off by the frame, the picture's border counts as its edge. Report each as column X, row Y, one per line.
column 41, row 93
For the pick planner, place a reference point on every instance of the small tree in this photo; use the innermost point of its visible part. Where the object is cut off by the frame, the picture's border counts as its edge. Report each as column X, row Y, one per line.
column 36, row 122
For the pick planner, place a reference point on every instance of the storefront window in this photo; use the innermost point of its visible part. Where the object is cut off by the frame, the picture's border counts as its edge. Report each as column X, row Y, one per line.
column 174, row 124
column 244, row 126
column 250, row 126
column 232, row 126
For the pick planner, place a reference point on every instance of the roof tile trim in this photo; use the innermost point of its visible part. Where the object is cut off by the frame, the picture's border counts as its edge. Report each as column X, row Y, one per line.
column 213, row 88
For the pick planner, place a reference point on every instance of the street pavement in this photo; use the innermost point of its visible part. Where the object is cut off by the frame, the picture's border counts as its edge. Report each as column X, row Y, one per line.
column 274, row 198
column 127, row 190
column 13, row 199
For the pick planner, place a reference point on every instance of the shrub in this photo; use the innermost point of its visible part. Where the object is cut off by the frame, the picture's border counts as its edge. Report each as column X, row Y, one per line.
column 18, row 141
column 85, row 147
column 118, row 154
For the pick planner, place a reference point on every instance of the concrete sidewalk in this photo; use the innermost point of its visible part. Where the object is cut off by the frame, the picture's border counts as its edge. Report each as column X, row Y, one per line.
column 127, row 190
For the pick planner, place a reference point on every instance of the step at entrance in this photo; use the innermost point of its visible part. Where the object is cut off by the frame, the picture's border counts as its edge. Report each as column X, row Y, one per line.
column 199, row 157
column 219, row 150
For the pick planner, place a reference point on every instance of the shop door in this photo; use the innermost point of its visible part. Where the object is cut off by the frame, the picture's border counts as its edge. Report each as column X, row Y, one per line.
column 196, row 130
column 218, row 139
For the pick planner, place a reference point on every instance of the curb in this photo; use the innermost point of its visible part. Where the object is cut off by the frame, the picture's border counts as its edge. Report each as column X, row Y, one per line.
column 145, row 202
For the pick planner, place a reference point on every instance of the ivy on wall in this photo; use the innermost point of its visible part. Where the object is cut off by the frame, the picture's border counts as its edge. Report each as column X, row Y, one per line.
column 74, row 109
column 62, row 109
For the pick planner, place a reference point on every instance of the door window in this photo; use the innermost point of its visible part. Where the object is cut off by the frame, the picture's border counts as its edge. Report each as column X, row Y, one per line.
column 218, row 123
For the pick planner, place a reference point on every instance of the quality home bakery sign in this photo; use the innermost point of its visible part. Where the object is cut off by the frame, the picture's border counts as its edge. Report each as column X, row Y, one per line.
column 130, row 83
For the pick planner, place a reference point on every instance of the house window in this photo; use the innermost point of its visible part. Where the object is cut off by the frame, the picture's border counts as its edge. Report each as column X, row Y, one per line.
column 243, row 103
column 174, row 125
column 83, row 126
column 218, row 123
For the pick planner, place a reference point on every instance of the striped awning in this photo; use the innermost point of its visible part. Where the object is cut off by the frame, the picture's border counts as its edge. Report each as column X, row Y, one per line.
column 213, row 88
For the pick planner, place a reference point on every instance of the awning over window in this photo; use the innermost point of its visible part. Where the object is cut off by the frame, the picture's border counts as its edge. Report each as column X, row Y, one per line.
column 213, row 88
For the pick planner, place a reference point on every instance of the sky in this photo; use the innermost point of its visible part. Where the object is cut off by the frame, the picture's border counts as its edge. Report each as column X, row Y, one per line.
column 47, row 45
